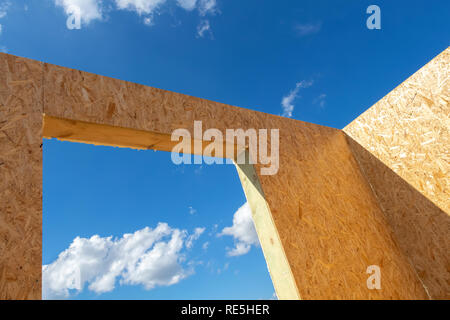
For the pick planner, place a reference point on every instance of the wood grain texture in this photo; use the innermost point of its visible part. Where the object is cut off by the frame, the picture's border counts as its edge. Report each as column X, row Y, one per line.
column 107, row 135
column 20, row 178
column 402, row 145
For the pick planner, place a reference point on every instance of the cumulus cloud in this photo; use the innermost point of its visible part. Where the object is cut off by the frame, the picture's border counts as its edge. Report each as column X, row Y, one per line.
column 307, row 29
column 147, row 257
column 243, row 231
column 287, row 103
column 89, row 10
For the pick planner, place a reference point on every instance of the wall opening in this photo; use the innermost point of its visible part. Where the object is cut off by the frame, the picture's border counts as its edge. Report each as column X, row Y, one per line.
column 127, row 224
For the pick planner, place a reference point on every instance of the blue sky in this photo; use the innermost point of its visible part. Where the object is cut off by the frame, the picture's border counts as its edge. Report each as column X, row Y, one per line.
column 316, row 58
column 91, row 190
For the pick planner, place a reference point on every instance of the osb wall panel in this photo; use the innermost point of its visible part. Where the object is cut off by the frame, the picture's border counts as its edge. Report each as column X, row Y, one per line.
column 421, row 228
column 20, row 178
column 408, row 130
column 332, row 227
column 76, row 95
column 328, row 219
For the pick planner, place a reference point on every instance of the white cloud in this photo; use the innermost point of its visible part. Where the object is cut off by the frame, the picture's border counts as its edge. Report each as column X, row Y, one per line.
column 243, row 231
column 287, row 102
column 240, row 249
column 140, row 6
column 190, row 240
column 307, row 29
column 89, row 9
column 205, row 245
column 207, row 7
column 147, row 257
column 204, row 7
column 204, row 28
column 148, row 6
column 188, row 5
column 1, row 29
column 4, row 6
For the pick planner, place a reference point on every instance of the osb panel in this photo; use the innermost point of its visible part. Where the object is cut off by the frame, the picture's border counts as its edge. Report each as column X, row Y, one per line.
column 20, row 178
column 421, row 228
column 76, row 95
column 332, row 227
column 329, row 222
column 408, row 130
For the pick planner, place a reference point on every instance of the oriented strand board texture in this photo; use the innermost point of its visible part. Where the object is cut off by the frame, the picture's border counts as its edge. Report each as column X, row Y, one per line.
column 327, row 217
column 331, row 225
column 408, row 130
column 421, row 228
column 408, row 166
column 20, row 178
